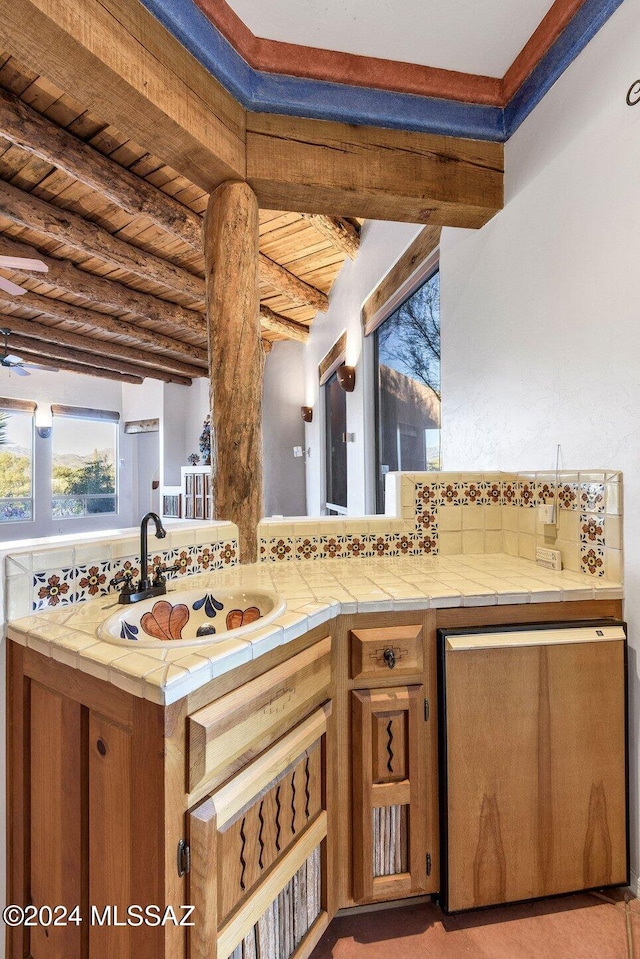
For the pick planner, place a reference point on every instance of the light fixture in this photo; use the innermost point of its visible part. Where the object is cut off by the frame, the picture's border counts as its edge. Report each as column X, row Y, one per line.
column 307, row 413
column 346, row 377
column 43, row 420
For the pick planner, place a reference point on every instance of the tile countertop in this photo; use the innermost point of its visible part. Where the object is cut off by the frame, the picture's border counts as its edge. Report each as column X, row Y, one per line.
column 315, row 593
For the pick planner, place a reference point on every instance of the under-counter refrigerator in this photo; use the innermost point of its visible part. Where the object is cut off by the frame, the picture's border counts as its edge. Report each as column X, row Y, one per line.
column 533, row 761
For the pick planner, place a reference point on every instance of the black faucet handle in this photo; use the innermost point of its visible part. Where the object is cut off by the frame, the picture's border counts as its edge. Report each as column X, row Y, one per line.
column 159, row 578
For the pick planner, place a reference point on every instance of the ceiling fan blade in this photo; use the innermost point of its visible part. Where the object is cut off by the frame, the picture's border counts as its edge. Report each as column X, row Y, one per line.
column 20, row 370
column 39, row 366
column 23, row 263
column 11, row 360
column 10, row 287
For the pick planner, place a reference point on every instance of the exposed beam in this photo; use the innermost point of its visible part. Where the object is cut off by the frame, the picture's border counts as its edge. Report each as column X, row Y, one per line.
column 295, row 289
column 102, row 350
column 237, row 360
column 64, row 354
column 281, row 324
column 37, row 135
column 116, row 58
column 343, row 170
column 340, row 232
column 40, row 354
column 71, row 229
column 60, row 310
column 106, row 292
column 267, row 346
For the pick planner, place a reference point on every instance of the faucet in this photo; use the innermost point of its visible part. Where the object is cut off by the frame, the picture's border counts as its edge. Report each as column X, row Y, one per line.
column 146, row 587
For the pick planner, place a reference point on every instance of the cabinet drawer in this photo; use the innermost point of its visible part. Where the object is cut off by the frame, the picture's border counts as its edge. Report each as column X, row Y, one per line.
column 230, row 732
column 386, row 651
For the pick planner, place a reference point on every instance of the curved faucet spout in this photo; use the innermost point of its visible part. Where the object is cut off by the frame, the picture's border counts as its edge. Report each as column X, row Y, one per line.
column 144, row 554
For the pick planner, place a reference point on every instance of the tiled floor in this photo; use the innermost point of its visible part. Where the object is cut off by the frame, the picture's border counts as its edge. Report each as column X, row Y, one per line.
column 582, row 926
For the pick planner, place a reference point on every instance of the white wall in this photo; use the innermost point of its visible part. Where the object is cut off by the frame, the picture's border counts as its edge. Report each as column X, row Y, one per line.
column 381, row 245
column 541, row 308
column 282, row 429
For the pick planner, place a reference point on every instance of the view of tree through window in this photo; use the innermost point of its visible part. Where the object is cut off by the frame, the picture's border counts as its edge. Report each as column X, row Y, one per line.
column 407, row 357
column 84, row 467
column 16, row 457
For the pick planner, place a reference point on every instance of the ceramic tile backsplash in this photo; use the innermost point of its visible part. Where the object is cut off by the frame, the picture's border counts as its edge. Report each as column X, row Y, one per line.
column 466, row 513
column 54, row 578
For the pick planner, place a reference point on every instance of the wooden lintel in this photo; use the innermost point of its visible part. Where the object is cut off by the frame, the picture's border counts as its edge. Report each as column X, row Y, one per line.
column 118, row 59
column 281, row 324
column 295, row 289
column 400, row 273
column 57, row 355
column 102, row 350
column 142, row 426
column 106, row 292
column 64, row 226
column 340, row 232
column 30, row 131
column 59, row 310
column 344, row 170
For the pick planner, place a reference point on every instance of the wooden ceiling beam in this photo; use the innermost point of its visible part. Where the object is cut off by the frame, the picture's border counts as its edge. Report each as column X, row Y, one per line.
column 64, row 354
column 108, row 293
column 340, row 232
column 118, row 59
column 29, row 130
column 280, row 324
column 358, row 171
column 59, row 310
column 103, row 349
column 43, row 359
column 66, row 227
column 295, row 289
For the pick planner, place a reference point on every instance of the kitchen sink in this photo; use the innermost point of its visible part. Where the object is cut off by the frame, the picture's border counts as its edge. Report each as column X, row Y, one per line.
column 192, row 617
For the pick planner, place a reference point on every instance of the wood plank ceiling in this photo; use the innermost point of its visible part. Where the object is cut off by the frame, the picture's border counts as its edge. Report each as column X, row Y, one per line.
column 120, row 233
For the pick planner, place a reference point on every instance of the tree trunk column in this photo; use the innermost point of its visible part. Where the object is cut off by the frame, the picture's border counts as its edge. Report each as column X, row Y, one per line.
column 236, row 359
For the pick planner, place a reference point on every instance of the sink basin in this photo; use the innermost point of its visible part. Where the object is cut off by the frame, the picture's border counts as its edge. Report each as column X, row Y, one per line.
column 191, row 617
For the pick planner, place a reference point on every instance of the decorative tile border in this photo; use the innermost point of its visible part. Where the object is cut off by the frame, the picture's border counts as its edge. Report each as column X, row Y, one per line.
column 431, row 513
column 85, row 571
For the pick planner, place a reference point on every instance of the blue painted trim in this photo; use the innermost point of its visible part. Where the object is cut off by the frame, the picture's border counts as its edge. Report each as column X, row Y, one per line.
column 572, row 41
column 363, row 105
column 322, row 100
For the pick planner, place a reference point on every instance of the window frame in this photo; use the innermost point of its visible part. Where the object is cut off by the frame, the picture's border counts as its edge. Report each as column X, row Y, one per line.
column 11, row 405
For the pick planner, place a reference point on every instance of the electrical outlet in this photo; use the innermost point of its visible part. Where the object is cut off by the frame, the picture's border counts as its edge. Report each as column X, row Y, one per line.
column 546, row 514
column 549, row 558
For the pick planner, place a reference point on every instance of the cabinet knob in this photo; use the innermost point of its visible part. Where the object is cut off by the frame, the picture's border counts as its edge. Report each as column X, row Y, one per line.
column 389, row 657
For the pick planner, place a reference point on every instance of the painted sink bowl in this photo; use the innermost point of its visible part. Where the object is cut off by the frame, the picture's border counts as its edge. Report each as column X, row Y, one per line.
column 191, row 617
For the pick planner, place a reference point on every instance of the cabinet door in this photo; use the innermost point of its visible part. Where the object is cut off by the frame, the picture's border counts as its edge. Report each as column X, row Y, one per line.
column 535, row 772
column 392, row 851
column 258, row 853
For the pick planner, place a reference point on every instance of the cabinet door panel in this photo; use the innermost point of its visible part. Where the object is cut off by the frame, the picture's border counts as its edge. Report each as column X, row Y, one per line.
column 56, row 818
column 390, row 798
column 535, row 763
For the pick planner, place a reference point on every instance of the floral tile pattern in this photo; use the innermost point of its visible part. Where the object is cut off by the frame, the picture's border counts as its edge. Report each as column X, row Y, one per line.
column 592, row 529
column 592, row 497
column 54, row 588
column 568, row 496
column 93, row 580
column 592, row 560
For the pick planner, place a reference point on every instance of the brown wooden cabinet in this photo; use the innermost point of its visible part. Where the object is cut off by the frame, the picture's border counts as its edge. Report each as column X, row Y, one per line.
column 307, row 775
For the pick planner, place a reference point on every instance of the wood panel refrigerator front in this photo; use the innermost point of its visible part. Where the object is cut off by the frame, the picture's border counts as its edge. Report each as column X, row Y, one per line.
column 535, row 760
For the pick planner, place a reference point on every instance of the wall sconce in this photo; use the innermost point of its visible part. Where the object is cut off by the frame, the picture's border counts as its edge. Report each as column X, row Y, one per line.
column 44, row 420
column 307, row 413
column 346, row 377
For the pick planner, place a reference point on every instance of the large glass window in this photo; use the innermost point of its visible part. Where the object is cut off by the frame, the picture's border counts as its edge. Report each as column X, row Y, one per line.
column 16, row 466
column 84, row 466
column 336, row 450
column 407, row 362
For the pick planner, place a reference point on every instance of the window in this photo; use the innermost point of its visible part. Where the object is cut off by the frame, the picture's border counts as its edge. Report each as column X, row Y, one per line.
column 336, row 450
column 407, row 395
column 16, row 461
column 84, row 462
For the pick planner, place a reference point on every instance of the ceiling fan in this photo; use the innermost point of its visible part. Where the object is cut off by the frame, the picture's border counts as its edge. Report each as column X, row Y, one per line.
column 11, row 362
column 19, row 263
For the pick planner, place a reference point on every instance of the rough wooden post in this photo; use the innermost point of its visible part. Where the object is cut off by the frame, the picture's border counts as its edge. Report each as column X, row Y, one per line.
column 236, row 359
